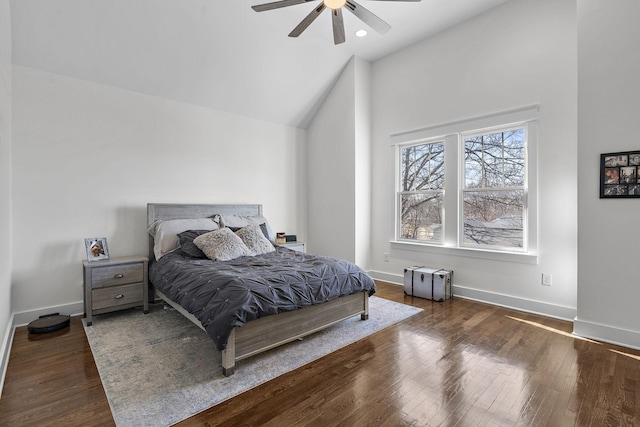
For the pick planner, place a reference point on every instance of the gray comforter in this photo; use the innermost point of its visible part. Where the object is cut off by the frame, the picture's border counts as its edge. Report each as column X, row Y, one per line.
column 226, row 294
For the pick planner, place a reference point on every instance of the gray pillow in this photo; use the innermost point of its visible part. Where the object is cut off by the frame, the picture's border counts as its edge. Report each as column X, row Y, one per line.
column 263, row 228
column 236, row 221
column 255, row 240
column 186, row 243
column 221, row 245
column 165, row 232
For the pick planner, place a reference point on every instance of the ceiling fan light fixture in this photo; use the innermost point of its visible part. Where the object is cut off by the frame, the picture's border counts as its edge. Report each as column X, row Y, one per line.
column 361, row 33
column 334, row 4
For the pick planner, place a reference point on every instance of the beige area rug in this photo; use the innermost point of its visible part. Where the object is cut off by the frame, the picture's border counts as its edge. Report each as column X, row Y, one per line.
column 159, row 369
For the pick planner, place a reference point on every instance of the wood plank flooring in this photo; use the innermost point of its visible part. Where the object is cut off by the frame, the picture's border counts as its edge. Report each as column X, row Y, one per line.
column 457, row 363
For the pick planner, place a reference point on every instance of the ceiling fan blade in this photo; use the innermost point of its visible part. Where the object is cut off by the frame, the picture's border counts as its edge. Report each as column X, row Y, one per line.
column 369, row 17
column 338, row 26
column 307, row 20
column 277, row 5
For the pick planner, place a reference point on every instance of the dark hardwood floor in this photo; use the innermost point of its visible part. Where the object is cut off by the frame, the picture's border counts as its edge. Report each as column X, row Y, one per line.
column 457, row 363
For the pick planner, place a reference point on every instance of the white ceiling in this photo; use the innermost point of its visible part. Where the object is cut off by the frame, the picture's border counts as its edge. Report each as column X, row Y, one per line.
column 217, row 53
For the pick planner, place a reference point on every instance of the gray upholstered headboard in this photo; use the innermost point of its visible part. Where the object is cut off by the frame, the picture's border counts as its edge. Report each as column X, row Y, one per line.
column 165, row 211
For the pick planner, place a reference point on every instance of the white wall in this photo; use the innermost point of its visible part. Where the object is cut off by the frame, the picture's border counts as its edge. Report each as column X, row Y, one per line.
column 87, row 158
column 362, row 162
column 339, row 168
column 521, row 53
column 5, row 182
column 608, row 112
column 331, row 182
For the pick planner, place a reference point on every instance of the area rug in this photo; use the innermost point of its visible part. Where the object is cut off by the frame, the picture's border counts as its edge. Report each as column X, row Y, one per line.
column 158, row 369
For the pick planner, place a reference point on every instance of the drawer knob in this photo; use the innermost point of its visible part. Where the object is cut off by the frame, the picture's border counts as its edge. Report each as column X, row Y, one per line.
column 119, row 296
column 118, row 276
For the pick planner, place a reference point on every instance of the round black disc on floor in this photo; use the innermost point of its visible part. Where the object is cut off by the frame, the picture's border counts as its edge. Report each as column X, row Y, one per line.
column 48, row 324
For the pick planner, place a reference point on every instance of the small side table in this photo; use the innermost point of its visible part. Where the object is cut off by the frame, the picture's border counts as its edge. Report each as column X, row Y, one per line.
column 296, row 246
column 115, row 284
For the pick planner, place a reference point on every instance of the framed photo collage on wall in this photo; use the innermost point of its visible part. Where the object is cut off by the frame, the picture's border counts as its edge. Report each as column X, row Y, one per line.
column 620, row 174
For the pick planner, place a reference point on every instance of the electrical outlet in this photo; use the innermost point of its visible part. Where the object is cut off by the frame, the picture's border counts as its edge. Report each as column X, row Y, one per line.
column 386, row 257
column 546, row 279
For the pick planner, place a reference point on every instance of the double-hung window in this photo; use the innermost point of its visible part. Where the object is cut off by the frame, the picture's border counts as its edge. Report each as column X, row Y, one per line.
column 494, row 189
column 469, row 185
column 422, row 192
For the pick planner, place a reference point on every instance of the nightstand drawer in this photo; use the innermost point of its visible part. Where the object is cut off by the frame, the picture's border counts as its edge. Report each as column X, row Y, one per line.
column 115, row 284
column 294, row 246
column 114, row 275
column 114, row 296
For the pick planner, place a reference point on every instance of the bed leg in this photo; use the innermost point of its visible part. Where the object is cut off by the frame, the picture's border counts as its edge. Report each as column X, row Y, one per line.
column 229, row 355
column 365, row 315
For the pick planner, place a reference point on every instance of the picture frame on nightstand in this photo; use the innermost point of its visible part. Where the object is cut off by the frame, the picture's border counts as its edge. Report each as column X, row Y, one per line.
column 97, row 249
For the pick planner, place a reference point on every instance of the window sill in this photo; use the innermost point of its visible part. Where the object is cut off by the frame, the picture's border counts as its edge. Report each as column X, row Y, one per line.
column 525, row 258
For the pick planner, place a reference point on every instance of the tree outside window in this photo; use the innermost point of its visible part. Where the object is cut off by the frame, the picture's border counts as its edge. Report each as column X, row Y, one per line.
column 494, row 189
column 421, row 195
column 484, row 202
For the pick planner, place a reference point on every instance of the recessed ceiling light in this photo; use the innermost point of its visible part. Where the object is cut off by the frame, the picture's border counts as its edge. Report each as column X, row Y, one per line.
column 361, row 33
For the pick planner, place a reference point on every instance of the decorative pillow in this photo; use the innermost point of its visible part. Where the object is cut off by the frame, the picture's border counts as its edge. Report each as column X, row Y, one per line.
column 263, row 228
column 221, row 245
column 252, row 236
column 237, row 221
column 165, row 233
column 186, row 243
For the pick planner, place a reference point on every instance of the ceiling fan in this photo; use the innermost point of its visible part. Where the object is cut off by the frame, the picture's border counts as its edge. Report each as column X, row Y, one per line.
column 336, row 7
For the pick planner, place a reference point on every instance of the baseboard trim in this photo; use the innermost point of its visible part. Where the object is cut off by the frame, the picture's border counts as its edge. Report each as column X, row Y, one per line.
column 516, row 303
column 73, row 309
column 606, row 333
column 6, row 350
column 396, row 279
column 507, row 301
column 22, row 319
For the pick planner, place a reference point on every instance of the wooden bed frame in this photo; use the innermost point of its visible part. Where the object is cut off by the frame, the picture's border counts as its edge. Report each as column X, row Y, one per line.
column 267, row 332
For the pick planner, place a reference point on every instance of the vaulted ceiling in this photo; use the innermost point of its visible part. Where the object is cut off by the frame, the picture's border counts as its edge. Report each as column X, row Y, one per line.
column 219, row 54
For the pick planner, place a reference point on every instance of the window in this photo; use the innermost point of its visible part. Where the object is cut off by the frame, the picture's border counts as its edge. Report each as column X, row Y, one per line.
column 470, row 185
column 494, row 190
column 421, row 194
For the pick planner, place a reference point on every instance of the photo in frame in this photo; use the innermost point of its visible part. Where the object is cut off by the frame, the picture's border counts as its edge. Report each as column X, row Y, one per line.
column 619, row 175
column 97, row 249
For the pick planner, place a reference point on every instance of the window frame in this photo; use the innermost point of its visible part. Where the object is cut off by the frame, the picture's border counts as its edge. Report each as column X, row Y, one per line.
column 400, row 192
column 452, row 134
column 463, row 189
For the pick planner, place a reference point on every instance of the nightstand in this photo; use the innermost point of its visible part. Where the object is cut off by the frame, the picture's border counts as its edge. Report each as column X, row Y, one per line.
column 115, row 284
column 296, row 246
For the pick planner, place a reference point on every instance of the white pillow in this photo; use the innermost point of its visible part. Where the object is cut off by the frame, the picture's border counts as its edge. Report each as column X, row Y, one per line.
column 237, row 221
column 221, row 245
column 252, row 236
column 165, row 232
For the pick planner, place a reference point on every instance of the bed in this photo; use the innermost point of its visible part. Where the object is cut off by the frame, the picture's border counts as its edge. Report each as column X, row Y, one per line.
column 240, row 317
